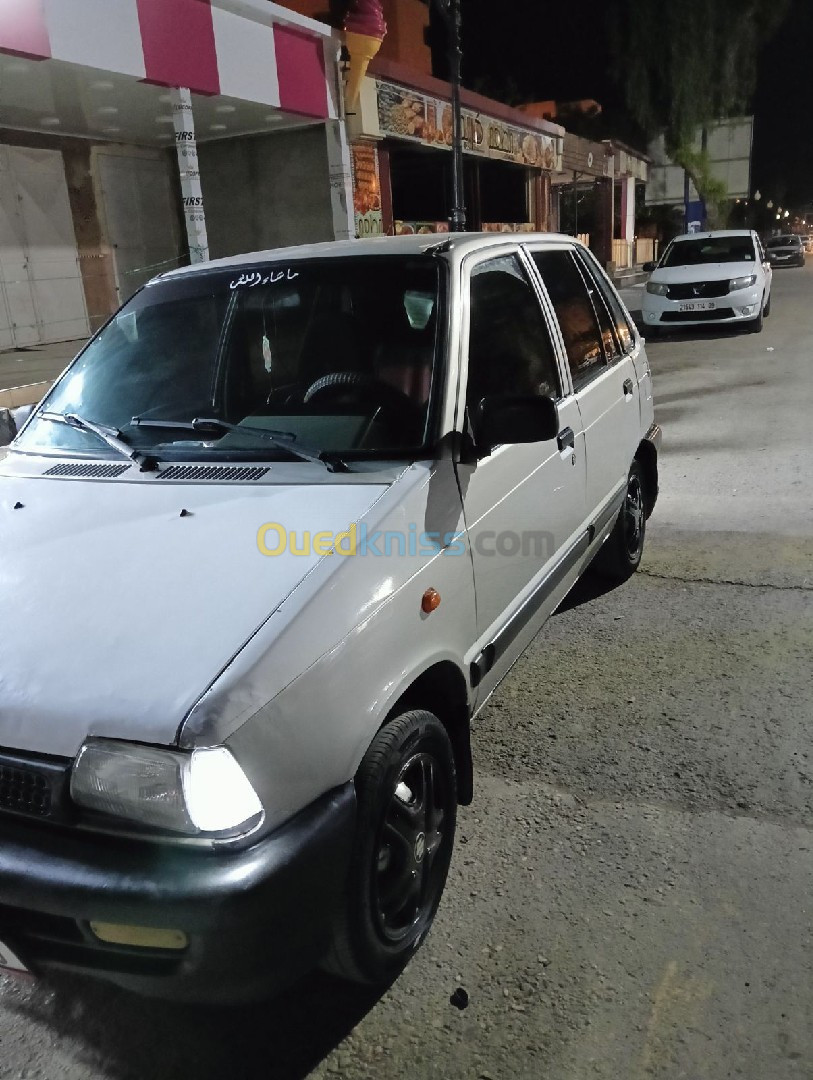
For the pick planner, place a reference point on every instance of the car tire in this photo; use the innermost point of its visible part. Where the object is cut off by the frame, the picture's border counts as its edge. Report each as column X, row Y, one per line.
column 620, row 555
column 406, row 791
column 766, row 311
column 754, row 326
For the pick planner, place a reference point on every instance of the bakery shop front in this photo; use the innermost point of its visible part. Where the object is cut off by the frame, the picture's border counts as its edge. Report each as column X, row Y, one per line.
column 401, row 140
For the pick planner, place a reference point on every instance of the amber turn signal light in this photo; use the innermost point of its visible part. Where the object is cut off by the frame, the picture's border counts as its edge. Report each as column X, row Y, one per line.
column 431, row 600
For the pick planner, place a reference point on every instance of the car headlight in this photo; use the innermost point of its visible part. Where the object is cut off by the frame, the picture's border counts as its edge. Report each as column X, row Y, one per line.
column 197, row 792
column 742, row 282
column 657, row 288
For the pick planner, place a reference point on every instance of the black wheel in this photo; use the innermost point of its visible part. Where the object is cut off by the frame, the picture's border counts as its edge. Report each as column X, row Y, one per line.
column 407, row 809
column 754, row 326
column 620, row 554
column 766, row 311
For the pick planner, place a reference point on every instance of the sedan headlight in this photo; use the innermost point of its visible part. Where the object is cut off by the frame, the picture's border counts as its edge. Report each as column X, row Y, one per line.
column 197, row 793
column 742, row 282
column 657, row 288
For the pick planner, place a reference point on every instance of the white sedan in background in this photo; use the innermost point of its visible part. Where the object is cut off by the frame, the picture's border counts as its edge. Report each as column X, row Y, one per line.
column 712, row 277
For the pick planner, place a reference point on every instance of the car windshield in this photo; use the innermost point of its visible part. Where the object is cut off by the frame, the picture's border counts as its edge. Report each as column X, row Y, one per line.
column 783, row 241
column 332, row 355
column 709, row 249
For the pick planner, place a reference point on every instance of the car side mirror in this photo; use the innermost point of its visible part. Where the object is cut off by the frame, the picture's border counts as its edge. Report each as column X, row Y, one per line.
column 648, row 267
column 505, row 418
column 8, row 428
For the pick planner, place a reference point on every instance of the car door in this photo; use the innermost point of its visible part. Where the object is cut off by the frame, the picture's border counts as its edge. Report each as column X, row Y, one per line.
column 602, row 372
column 524, row 504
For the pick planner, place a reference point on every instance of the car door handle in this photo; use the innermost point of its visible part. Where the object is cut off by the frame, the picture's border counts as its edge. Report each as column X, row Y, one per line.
column 566, row 438
column 628, row 388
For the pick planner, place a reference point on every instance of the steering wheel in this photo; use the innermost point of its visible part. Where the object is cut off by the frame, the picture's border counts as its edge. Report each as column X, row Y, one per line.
column 365, row 390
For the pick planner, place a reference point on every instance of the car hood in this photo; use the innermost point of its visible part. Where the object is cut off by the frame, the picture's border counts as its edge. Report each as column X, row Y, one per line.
column 677, row 275
column 122, row 601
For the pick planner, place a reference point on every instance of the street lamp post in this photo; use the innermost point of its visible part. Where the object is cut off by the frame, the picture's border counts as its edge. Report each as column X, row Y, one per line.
column 450, row 11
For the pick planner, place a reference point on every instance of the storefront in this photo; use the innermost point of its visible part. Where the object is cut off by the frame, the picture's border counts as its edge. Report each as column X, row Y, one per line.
column 137, row 134
column 595, row 196
column 401, row 137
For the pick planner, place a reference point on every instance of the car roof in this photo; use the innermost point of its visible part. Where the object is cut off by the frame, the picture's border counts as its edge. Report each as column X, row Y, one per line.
column 418, row 244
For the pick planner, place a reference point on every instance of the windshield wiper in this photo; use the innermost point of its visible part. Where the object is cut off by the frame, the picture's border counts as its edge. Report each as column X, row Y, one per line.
column 112, row 436
column 282, row 440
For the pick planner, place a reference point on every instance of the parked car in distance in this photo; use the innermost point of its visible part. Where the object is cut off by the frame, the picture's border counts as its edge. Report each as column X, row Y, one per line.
column 787, row 250
column 270, row 543
column 713, row 277
column 808, row 243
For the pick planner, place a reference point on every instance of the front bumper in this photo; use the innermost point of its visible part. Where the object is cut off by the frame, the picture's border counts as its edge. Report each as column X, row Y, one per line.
column 255, row 919
column 740, row 306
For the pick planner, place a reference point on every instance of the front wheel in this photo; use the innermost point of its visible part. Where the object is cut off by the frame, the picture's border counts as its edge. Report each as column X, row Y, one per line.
column 407, row 808
column 767, row 310
column 755, row 325
column 620, row 554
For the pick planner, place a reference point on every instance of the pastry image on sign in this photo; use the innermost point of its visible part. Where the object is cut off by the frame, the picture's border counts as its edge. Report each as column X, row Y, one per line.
column 530, row 150
column 445, row 134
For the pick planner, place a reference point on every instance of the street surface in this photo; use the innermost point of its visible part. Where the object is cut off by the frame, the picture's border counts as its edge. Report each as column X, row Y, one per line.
column 631, row 891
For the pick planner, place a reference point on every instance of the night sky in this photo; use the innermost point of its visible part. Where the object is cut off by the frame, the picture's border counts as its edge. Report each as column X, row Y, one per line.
column 519, row 50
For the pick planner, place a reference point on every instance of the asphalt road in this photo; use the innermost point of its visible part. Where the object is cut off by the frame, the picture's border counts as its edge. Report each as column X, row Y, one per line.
column 631, row 891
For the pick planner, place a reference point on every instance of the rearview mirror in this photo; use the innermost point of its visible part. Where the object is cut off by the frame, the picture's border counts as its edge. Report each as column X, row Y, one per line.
column 648, row 267
column 503, row 418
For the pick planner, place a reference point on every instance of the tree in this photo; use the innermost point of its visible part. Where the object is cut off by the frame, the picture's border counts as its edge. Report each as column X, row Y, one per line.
column 684, row 64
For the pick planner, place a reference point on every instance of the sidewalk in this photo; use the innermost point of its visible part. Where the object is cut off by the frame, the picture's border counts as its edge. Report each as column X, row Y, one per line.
column 38, row 364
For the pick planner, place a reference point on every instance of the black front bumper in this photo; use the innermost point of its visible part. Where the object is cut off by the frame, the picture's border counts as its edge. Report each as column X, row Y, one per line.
column 255, row 919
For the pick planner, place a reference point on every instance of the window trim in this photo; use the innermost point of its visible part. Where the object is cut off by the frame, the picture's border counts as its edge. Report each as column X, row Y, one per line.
column 468, row 265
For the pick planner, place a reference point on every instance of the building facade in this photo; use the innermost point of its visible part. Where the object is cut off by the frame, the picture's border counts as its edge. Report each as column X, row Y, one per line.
column 134, row 133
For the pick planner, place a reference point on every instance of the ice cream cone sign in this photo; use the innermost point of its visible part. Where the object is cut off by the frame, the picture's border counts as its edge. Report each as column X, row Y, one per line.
column 364, row 30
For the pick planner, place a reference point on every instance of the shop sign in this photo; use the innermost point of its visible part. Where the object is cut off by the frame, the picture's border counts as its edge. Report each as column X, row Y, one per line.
column 411, row 228
column 509, row 226
column 408, row 114
column 366, row 190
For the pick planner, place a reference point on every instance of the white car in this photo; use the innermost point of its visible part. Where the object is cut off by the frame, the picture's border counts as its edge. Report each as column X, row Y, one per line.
column 267, row 547
column 712, row 277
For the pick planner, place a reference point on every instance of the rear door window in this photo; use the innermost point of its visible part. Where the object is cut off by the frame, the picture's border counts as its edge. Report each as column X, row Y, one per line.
column 624, row 331
column 584, row 343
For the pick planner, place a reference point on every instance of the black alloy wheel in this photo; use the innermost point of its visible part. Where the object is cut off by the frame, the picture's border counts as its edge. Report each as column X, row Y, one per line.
column 620, row 554
column 407, row 809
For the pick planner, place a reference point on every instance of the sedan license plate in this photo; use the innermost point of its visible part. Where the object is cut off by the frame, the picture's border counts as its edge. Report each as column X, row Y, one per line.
column 10, row 961
column 705, row 305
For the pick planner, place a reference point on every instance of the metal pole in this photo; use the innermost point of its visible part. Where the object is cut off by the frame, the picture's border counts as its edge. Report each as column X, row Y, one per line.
column 450, row 11
column 458, row 215
column 575, row 203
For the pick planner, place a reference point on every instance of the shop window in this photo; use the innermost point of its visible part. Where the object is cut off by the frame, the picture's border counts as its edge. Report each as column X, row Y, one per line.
column 510, row 347
column 575, row 314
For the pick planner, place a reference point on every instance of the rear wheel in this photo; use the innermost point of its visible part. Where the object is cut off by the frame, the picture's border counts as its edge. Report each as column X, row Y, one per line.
column 407, row 808
column 620, row 554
